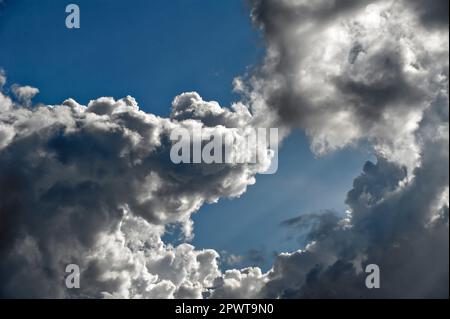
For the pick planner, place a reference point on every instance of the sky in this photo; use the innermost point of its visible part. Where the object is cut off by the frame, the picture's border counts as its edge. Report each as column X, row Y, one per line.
column 357, row 89
column 154, row 51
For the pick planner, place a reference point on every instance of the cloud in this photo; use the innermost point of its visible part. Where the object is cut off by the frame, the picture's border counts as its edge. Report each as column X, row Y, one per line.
column 2, row 78
column 314, row 226
column 94, row 185
column 404, row 231
column 348, row 71
column 73, row 176
column 24, row 93
column 239, row 284
column 395, row 221
column 432, row 13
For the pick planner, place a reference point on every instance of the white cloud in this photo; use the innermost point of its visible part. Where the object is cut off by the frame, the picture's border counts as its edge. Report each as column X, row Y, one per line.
column 24, row 93
column 345, row 72
column 94, row 184
column 350, row 71
column 79, row 168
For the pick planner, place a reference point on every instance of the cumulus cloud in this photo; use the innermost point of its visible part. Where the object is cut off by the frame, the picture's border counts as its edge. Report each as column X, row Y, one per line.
column 94, row 185
column 346, row 71
column 71, row 174
column 25, row 93
column 401, row 225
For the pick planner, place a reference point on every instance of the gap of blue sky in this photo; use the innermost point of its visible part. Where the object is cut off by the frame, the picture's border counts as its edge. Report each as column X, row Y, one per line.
column 152, row 50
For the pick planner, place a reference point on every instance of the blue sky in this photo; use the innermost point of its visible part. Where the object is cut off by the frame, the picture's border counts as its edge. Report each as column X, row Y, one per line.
column 154, row 50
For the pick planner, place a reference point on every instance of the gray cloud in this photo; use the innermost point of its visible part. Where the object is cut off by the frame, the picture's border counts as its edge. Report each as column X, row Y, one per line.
column 397, row 222
column 432, row 13
column 94, row 184
column 313, row 226
column 74, row 176
column 345, row 72
column 348, row 71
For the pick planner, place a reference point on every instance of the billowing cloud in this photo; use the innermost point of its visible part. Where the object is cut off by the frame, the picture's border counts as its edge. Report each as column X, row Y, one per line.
column 94, row 185
column 71, row 174
column 346, row 71
column 399, row 224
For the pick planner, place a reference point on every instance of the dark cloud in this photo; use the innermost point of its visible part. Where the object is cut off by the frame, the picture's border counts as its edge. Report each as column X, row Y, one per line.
column 394, row 233
column 94, row 184
column 365, row 74
column 72, row 175
column 345, row 71
column 432, row 13
column 397, row 220
column 313, row 226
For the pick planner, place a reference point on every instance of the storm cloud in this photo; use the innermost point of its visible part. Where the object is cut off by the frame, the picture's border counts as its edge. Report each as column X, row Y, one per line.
column 94, row 185
column 347, row 72
column 73, row 177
